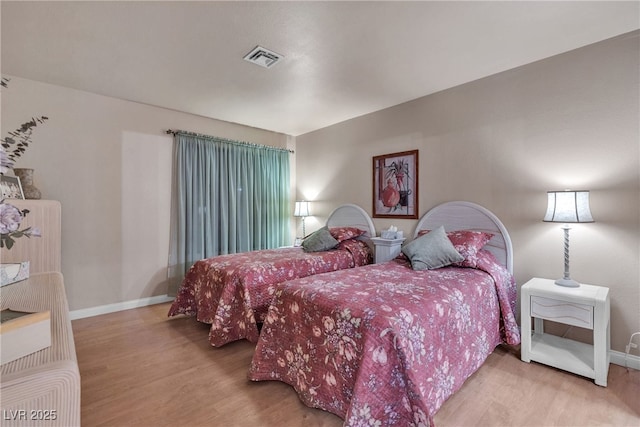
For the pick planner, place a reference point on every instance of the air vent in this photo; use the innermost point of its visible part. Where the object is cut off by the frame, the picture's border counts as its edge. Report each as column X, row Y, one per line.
column 263, row 57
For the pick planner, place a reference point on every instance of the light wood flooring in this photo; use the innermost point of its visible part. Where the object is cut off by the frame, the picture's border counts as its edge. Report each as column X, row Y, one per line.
column 139, row 368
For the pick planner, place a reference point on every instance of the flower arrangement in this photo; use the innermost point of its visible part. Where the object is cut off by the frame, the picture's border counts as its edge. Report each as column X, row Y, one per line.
column 397, row 192
column 10, row 219
column 16, row 143
column 398, row 170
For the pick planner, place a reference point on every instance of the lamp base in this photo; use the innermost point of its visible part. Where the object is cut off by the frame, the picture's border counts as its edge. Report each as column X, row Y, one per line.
column 569, row 283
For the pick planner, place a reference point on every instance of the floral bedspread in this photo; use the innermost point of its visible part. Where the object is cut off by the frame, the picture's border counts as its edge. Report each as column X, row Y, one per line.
column 232, row 292
column 384, row 345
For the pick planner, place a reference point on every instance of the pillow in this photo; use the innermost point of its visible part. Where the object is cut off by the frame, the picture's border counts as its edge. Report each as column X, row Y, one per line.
column 467, row 243
column 431, row 251
column 320, row 240
column 345, row 233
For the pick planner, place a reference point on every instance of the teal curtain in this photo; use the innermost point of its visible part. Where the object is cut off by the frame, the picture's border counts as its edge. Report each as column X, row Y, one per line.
column 228, row 197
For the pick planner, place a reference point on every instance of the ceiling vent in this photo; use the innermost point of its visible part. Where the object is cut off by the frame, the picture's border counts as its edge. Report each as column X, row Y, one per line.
column 263, row 57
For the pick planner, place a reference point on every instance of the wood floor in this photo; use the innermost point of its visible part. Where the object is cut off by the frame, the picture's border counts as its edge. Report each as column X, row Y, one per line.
column 139, row 368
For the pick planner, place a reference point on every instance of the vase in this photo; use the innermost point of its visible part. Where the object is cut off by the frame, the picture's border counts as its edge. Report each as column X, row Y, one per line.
column 404, row 197
column 26, row 180
column 390, row 196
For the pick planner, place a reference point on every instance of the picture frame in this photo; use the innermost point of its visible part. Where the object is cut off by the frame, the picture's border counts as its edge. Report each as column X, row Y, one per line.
column 11, row 187
column 395, row 185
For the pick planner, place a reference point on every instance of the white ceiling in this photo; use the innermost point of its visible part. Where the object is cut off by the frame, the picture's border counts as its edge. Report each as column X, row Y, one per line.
column 341, row 59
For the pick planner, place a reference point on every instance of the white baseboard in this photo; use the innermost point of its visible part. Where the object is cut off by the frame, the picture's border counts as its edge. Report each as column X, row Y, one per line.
column 618, row 358
column 120, row 306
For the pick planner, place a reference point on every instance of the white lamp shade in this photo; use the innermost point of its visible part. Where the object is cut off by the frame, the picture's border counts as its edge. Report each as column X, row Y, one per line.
column 568, row 206
column 301, row 209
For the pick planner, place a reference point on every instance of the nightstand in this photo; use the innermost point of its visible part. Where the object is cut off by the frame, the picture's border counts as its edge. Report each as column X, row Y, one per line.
column 587, row 307
column 386, row 249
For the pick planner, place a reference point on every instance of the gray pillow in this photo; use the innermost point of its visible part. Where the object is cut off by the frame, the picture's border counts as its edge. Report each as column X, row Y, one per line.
column 433, row 250
column 320, row 240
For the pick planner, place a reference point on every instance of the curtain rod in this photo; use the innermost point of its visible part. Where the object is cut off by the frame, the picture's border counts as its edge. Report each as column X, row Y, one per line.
column 228, row 141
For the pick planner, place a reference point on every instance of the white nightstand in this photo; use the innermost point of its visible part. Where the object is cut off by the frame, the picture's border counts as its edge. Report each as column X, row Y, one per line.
column 586, row 307
column 386, row 249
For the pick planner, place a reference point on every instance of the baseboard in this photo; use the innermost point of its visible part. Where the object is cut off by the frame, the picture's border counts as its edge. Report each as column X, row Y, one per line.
column 120, row 306
column 618, row 358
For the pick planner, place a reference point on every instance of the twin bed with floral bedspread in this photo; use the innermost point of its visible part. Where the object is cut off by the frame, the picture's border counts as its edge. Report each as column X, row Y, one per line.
column 385, row 344
column 232, row 292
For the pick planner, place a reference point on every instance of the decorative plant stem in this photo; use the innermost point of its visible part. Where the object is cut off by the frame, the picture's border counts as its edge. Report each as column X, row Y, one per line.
column 16, row 143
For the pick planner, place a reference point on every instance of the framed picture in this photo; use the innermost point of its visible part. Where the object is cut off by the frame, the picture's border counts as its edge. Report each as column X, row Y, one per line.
column 395, row 185
column 11, row 187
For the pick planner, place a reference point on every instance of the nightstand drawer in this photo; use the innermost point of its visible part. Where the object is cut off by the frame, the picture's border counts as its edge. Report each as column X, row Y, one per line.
column 569, row 313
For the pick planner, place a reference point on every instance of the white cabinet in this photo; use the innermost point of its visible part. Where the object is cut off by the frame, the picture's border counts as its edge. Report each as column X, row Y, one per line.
column 386, row 249
column 47, row 381
column 587, row 307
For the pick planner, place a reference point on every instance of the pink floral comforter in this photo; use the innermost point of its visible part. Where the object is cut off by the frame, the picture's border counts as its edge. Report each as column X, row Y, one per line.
column 384, row 345
column 232, row 292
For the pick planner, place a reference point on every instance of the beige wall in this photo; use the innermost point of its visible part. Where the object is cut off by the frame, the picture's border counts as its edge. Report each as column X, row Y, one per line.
column 108, row 162
column 570, row 121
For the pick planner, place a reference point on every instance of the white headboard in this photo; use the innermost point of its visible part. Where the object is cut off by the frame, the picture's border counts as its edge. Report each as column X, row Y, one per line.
column 351, row 215
column 470, row 216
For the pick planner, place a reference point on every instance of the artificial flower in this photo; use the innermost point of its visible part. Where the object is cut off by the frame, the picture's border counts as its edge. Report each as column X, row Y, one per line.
column 10, row 219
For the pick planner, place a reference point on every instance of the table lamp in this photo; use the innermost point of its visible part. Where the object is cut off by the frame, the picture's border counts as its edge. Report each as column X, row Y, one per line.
column 567, row 207
column 302, row 210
